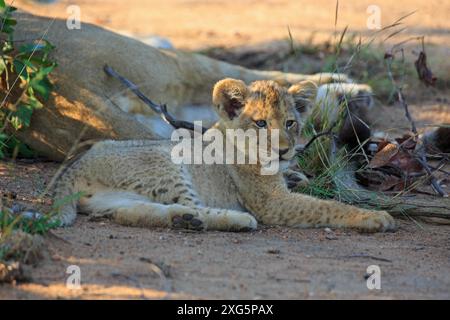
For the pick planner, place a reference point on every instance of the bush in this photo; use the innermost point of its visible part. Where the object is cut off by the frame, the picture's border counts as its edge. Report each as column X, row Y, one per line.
column 24, row 83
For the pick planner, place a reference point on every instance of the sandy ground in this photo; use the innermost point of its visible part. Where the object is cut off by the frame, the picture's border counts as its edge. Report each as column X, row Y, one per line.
column 273, row 262
column 200, row 23
column 197, row 24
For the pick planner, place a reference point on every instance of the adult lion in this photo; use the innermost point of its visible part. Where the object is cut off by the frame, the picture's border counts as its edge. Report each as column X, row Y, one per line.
column 87, row 105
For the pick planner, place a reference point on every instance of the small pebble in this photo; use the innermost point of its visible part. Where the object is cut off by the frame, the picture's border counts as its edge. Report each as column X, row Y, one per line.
column 330, row 237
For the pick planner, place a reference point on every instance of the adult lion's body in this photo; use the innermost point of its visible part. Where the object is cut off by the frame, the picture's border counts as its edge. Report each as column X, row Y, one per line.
column 85, row 101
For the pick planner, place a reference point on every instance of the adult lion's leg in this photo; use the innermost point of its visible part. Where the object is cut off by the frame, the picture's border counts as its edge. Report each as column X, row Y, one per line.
column 63, row 126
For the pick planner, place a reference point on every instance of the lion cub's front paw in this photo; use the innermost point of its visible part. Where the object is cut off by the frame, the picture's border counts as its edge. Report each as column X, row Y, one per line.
column 378, row 221
column 295, row 179
column 246, row 222
column 182, row 217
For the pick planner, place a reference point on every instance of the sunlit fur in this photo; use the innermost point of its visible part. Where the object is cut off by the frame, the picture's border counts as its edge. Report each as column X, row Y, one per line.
column 136, row 183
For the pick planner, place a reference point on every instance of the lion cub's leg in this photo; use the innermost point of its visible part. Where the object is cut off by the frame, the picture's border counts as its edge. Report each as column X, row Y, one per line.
column 295, row 209
column 228, row 220
column 132, row 209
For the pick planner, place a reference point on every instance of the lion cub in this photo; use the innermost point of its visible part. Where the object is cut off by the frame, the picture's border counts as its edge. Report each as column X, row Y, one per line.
column 136, row 183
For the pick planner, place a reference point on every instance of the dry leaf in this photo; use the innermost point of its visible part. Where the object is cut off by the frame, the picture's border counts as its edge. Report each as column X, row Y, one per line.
column 405, row 162
column 384, row 155
column 407, row 142
column 380, row 181
column 424, row 73
column 396, row 155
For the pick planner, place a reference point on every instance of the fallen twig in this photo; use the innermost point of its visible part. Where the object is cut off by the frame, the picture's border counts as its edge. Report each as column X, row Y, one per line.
column 423, row 161
column 363, row 255
column 400, row 205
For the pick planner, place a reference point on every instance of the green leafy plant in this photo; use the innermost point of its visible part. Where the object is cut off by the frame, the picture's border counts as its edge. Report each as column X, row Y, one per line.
column 29, row 224
column 33, row 223
column 13, row 224
column 24, row 83
column 39, row 225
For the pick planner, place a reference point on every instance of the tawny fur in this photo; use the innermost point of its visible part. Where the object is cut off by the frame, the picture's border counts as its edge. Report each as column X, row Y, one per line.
column 88, row 105
column 135, row 182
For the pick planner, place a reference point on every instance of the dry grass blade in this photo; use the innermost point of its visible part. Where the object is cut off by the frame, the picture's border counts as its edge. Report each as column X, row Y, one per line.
column 405, row 16
column 336, row 13
column 291, row 41
column 393, row 34
column 341, row 39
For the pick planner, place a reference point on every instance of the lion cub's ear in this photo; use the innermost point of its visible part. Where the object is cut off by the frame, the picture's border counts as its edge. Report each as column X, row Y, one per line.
column 304, row 94
column 229, row 97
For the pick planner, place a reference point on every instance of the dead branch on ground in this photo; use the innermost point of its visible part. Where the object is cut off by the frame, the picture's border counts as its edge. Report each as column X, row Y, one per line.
column 420, row 151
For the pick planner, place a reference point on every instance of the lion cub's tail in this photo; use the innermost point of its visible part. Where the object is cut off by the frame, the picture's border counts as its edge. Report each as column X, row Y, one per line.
column 66, row 196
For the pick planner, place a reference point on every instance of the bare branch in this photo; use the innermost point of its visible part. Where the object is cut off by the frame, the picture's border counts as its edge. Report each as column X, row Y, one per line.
column 421, row 155
column 159, row 109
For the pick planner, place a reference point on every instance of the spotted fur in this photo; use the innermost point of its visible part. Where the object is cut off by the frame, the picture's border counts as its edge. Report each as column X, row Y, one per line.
column 135, row 182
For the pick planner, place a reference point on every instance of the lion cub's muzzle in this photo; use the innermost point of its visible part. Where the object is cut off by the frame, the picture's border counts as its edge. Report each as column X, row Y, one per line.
column 285, row 154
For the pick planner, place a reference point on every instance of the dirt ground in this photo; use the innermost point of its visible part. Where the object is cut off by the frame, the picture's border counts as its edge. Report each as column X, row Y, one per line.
column 199, row 24
column 273, row 262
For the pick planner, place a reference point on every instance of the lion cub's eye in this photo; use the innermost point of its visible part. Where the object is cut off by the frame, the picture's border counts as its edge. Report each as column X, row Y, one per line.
column 261, row 123
column 290, row 123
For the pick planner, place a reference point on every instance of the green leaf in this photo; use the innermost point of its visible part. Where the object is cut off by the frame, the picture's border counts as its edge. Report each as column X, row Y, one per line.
column 2, row 66
column 42, row 87
column 21, row 117
column 22, row 149
column 9, row 22
column 7, row 47
column 48, row 69
column 40, row 83
column 7, row 29
column 30, row 47
column 20, row 68
column 33, row 101
column 3, row 138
